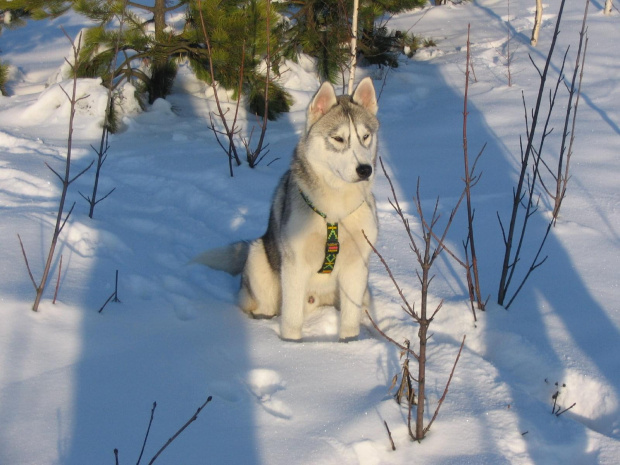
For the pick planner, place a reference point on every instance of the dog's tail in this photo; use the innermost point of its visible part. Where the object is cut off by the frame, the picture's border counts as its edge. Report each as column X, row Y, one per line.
column 230, row 258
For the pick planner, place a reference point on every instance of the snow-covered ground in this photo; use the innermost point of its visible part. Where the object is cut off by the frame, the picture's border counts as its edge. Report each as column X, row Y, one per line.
column 75, row 384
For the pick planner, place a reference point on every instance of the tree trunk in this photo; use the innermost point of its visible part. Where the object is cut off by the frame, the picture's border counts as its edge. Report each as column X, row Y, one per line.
column 608, row 6
column 353, row 47
column 158, row 87
column 159, row 17
column 537, row 21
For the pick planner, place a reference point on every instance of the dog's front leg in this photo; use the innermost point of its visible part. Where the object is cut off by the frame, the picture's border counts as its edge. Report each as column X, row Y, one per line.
column 353, row 288
column 293, row 281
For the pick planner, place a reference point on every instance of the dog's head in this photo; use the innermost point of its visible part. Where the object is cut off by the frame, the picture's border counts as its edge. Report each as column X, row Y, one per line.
column 341, row 133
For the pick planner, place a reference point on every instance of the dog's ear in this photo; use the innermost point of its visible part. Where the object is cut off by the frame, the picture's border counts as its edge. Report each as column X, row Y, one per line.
column 365, row 96
column 323, row 101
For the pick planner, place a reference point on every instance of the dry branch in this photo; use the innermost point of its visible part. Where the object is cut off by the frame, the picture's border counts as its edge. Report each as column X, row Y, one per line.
column 176, row 435
column 426, row 255
column 512, row 256
column 66, row 180
column 229, row 131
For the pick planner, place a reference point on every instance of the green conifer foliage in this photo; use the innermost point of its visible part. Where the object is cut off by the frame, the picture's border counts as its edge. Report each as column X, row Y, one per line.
column 37, row 9
column 237, row 36
column 4, row 76
column 322, row 29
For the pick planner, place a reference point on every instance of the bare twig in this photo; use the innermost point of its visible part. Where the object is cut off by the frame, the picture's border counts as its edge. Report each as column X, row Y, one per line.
column 563, row 169
column 106, row 302
column 148, row 430
column 565, row 410
column 113, row 297
column 512, row 254
column 426, row 255
column 472, row 269
column 254, row 156
column 400, row 346
column 66, row 179
column 21, row 244
column 189, row 422
column 445, row 391
column 410, row 310
column 229, row 131
column 389, row 435
column 57, row 281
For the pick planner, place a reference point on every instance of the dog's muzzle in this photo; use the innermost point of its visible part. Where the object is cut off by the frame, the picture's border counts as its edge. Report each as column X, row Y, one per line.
column 364, row 171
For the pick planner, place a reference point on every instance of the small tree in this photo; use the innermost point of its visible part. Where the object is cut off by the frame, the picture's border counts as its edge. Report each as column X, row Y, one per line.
column 323, row 30
column 66, row 180
column 526, row 195
column 149, row 48
column 426, row 256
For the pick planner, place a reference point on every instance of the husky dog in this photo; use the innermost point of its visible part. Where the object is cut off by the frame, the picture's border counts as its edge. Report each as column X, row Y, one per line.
column 314, row 252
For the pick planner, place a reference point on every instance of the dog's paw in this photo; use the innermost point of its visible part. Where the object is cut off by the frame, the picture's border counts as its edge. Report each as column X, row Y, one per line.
column 349, row 333
column 290, row 333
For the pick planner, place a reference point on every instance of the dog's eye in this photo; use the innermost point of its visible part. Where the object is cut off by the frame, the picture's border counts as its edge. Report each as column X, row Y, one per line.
column 365, row 137
column 338, row 139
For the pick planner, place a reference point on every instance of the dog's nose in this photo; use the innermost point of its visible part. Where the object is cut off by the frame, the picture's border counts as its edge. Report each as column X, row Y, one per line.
column 364, row 171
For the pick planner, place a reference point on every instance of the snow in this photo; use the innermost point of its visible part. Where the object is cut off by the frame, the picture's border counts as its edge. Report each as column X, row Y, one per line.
column 75, row 384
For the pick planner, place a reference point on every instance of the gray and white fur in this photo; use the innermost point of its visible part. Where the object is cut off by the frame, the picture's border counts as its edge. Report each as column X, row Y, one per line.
column 334, row 166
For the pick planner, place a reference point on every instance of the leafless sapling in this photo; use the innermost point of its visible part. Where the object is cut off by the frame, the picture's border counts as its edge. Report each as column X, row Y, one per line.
column 525, row 195
column 256, row 155
column 556, row 409
column 511, row 257
column 193, row 418
column 114, row 296
column 425, row 256
column 104, row 146
column 470, row 179
column 508, row 54
column 66, row 180
column 568, row 136
column 229, row 130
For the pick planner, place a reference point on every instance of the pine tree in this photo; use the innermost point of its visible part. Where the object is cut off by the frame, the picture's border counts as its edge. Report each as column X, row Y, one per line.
column 123, row 46
column 322, row 30
column 37, row 9
column 238, row 43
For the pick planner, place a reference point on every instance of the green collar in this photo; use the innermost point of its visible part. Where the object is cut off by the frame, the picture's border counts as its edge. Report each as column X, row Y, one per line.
column 332, row 246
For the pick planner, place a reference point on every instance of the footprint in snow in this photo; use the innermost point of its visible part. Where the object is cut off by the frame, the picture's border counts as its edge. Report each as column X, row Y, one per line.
column 264, row 384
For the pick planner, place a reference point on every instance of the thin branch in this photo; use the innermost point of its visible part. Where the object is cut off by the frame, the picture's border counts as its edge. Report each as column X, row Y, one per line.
column 106, row 302
column 565, row 410
column 410, row 309
column 57, row 281
column 397, row 344
column 190, row 421
column 389, row 435
column 445, row 391
column 148, row 430
column 55, row 172
column 81, row 172
column 62, row 226
column 105, row 196
column 34, row 283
